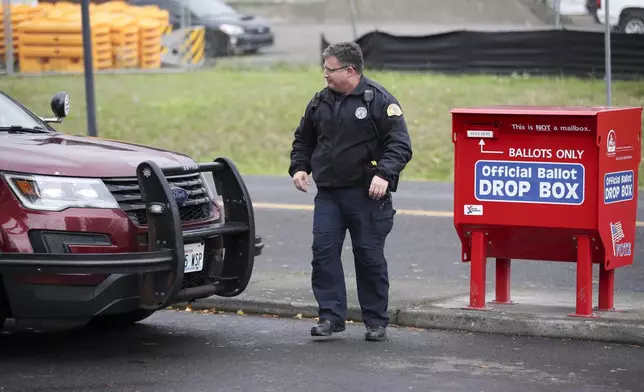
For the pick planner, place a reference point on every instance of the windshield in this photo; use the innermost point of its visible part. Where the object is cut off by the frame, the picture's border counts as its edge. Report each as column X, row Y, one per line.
column 13, row 115
column 210, row 7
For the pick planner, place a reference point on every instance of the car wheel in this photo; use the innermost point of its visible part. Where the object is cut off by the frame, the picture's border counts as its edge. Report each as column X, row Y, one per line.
column 121, row 319
column 632, row 22
column 218, row 45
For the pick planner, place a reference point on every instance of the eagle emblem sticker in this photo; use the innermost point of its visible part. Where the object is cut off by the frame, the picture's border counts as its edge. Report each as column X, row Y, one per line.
column 611, row 142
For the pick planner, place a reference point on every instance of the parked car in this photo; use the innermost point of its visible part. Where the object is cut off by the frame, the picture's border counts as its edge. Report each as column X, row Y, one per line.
column 109, row 232
column 624, row 16
column 228, row 31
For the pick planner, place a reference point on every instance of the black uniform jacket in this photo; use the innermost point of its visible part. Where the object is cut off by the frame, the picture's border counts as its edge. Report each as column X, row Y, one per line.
column 336, row 139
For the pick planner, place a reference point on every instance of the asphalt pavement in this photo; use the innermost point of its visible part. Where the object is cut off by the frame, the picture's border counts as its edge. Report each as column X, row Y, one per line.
column 299, row 43
column 191, row 351
column 429, row 283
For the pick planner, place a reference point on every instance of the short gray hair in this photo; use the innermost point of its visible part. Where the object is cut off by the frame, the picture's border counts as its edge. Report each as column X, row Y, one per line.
column 348, row 53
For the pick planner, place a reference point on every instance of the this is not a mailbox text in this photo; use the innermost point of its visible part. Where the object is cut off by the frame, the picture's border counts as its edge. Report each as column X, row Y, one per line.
column 618, row 186
column 530, row 182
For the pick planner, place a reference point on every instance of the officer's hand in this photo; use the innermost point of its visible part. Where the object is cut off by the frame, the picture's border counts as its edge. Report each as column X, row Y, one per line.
column 378, row 188
column 301, row 180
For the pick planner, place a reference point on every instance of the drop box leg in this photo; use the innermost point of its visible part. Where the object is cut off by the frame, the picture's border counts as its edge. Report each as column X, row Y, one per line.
column 477, row 272
column 584, row 306
column 606, row 289
column 502, row 281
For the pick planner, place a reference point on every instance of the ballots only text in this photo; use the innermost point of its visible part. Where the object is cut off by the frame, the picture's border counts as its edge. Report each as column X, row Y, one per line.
column 529, row 182
column 618, row 186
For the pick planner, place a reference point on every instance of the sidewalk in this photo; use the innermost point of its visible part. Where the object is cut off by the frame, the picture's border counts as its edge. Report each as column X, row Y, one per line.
column 435, row 304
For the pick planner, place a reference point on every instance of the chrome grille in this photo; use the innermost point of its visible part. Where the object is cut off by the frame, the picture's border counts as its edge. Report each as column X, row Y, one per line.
column 258, row 30
column 127, row 193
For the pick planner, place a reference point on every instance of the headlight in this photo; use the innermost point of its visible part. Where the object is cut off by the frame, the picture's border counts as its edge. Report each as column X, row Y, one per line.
column 231, row 29
column 210, row 192
column 58, row 193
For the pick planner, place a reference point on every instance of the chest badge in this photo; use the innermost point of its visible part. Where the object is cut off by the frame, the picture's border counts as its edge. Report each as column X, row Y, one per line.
column 361, row 112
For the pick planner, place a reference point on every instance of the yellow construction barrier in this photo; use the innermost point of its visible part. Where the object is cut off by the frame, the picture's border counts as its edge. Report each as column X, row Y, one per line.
column 123, row 36
column 20, row 13
column 58, row 46
column 124, row 32
column 149, row 44
column 162, row 16
column 151, row 12
column 113, row 6
column 125, row 41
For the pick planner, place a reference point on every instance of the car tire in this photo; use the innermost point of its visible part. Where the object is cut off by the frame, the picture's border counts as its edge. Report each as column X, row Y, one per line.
column 217, row 44
column 120, row 320
column 632, row 22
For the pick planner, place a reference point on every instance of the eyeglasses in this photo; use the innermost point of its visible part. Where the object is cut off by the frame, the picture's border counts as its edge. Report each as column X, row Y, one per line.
column 331, row 70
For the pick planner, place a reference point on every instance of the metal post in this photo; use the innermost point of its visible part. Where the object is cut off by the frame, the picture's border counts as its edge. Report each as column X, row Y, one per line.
column 89, row 69
column 606, row 289
column 584, row 303
column 477, row 271
column 352, row 3
column 183, row 14
column 189, row 14
column 557, row 14
column 502, row 282
column 8, row 37
column 607, row 55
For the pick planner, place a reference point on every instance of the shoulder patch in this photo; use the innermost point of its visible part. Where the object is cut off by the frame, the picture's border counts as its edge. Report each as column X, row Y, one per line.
column 394, row 110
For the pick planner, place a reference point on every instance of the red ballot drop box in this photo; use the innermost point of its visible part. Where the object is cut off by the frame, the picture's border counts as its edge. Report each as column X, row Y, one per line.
column 546, row 183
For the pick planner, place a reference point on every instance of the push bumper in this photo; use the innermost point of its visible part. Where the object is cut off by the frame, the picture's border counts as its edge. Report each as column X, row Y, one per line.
column 162, row 266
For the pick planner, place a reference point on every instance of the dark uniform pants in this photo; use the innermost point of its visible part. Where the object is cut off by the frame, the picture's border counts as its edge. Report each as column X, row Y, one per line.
column 369, row 222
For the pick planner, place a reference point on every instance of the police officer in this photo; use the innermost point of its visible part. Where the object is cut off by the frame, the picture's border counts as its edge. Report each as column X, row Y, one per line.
column 353, row 139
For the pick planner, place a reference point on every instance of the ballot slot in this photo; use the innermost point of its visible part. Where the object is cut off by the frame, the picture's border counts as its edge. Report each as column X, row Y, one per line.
column 481, row 131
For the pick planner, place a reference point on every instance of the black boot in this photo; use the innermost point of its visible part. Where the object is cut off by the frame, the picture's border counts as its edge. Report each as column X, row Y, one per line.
column 375, row 333
column 326, row 328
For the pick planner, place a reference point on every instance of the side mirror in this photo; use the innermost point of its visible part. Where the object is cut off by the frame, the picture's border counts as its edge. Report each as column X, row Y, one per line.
column 60, row 107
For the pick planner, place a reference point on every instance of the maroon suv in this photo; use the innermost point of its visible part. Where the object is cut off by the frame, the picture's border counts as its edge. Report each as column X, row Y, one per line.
column 109, row 232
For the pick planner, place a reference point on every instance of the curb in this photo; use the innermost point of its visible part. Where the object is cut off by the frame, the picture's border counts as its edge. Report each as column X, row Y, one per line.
column 275, row 307
column 492, row 322
column 563, row 327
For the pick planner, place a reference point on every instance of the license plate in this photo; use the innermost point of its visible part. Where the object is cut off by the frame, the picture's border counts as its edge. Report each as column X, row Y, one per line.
column 194, row 254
